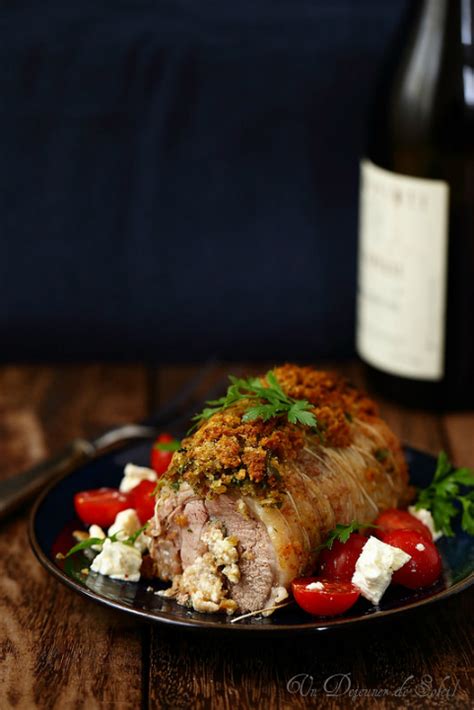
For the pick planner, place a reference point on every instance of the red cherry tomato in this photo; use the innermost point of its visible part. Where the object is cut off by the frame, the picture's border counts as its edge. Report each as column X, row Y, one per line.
column 395, row 519
column 143, row 500
column 425, row 565
column 339, row 562
column 100, row 506
column 160, row 460
column 334, row 598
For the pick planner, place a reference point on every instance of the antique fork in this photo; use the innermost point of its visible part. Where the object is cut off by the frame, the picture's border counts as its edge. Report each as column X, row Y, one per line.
column 17, row 490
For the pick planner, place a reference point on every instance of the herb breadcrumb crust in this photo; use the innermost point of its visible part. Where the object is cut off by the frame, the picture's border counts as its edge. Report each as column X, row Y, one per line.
column 229, row 452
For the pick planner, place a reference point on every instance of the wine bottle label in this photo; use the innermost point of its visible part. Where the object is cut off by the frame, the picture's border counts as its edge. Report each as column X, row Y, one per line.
column 403, row 239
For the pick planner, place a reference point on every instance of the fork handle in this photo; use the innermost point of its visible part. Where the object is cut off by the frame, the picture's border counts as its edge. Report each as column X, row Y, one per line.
column 18, row 489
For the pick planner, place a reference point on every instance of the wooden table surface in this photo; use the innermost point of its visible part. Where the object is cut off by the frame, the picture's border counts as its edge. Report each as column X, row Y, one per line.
column 58, row 650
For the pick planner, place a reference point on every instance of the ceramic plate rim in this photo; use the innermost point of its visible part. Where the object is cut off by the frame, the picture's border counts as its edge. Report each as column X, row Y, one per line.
column 161, row 617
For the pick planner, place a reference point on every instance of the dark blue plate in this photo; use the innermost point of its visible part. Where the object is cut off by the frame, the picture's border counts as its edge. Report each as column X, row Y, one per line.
column 52, row 521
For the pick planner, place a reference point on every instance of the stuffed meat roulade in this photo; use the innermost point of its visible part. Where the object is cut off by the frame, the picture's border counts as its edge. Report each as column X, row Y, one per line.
column 254, row 491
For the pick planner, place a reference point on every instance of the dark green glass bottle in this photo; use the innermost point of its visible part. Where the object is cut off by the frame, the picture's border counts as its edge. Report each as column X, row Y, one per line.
column 415, row 306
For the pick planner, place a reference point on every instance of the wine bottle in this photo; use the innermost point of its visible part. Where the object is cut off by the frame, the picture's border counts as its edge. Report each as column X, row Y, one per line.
column 415, row 301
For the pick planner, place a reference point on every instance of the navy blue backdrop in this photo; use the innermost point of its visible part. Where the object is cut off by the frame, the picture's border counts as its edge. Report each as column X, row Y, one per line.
column 179, row 178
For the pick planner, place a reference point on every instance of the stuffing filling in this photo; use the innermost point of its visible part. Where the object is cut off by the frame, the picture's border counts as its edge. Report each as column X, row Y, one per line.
column 204, row 584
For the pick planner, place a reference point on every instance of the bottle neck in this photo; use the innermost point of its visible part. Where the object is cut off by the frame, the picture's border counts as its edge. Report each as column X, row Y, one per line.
column 452, row 19
column 466, row 21
column 439, row 57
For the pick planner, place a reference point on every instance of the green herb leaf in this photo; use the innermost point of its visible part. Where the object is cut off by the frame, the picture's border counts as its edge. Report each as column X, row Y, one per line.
column 445, row 499
column 134, row 537
column 381, row 454
column 299, row 414
column 343, row 532
column 260, row 411
column 168, row 445
column 467, row 520
column 91, row 541
column 85, row 544
column 264, row 402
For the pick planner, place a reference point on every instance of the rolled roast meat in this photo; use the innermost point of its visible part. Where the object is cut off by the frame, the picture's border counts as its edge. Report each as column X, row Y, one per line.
column 245, row 504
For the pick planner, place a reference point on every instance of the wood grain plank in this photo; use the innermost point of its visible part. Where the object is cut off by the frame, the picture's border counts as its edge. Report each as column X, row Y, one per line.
column 169, row 379
column 58, row 650
column 419, row 660
column 410, row 662
column 22, row 438
column 460, row 434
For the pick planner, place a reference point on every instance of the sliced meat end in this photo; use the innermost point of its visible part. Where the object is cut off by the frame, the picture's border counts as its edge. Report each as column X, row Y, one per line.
column 257, row 560
column 178, row 543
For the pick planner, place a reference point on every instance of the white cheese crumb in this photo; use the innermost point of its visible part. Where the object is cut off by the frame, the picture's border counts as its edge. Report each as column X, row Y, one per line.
column 420, row 547
column 375, row 566
column 96, row 531
column 125, row 524
column 315, row 585
column 135, row 475
column 426, row 518
column 118, row 561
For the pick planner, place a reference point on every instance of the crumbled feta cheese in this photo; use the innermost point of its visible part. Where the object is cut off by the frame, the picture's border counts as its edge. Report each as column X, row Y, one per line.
column 118, row 561
column 96, row 531
column 315, row 585
column 420, row 547
column 125, row 524
column 426, row 518
column 135, row 475
column 375, row 567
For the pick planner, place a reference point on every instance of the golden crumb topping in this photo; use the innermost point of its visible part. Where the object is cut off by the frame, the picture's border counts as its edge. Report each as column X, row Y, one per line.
column 228, row 452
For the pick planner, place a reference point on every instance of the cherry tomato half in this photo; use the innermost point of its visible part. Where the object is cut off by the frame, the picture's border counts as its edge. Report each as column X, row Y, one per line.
column 160, row 460
column 425, row 565
column 332, row 599
column 394, row 519
column 143, row 500
column 339, row 562
column 100, row 506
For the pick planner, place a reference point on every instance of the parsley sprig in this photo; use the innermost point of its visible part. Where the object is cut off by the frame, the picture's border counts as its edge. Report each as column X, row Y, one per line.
column 134, row 536
column 83, row 545
column 342, row 533
column 91, row 541
column 445, row 498
column 173, row 445
column 266, row 402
